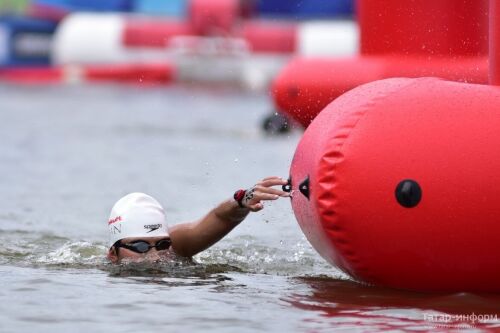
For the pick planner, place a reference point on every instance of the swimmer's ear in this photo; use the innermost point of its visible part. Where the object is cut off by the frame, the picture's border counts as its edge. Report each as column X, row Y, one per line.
column 112, row 255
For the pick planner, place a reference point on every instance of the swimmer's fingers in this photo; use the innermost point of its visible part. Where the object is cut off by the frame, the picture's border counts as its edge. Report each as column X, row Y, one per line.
column 263, row 191
column 270, row 190
column 255, row 203
column 254, row 197
column 266, row 186
column 272, row 181
column 258, row 196
column 256, row 207
column 272, row 178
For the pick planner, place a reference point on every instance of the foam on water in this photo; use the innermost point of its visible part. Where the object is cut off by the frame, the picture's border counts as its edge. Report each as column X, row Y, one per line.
column 252, row 255
column 243, row 253
column 80, row 253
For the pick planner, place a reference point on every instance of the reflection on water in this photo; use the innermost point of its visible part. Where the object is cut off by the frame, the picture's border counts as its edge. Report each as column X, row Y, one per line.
column 347, row 303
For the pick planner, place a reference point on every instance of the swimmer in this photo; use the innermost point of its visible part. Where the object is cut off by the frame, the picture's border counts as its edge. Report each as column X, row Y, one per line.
column 138, row 229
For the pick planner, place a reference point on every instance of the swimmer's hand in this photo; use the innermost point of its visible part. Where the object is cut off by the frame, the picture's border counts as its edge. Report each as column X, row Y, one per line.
column 263, row 191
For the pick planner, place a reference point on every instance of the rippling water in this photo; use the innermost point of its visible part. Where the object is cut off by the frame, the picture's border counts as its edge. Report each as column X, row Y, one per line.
column 68, row 153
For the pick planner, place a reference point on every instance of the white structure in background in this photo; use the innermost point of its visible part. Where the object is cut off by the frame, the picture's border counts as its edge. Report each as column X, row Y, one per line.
column 328, row 38
column 90, row 38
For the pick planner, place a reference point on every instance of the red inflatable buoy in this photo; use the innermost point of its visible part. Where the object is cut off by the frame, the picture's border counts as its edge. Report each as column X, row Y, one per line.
column 215, row 17
column 444, row 38
column 307, row 85
column 396, row 183
column 138, row 32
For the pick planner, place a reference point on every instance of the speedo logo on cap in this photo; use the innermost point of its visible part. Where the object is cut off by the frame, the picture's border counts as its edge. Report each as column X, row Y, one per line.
column 153, row 227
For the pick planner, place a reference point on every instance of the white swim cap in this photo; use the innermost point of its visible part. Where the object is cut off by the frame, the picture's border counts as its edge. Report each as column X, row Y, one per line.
column 136, row 215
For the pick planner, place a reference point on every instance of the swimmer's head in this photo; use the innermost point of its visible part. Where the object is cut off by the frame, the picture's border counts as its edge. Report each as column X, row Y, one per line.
column 137, row 229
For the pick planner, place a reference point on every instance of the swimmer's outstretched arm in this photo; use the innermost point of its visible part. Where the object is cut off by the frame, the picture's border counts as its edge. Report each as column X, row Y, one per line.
column 190, row 238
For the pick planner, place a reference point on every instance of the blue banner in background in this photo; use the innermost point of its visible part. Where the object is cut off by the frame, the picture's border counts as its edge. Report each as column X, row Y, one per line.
column 304, row 9
column 171, row 8
column 89, row 5
column 299, row 9
column 25, row 41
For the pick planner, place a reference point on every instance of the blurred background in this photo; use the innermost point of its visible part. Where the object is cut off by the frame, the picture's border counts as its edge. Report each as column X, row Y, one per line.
column 237, row 43
column 232, row 41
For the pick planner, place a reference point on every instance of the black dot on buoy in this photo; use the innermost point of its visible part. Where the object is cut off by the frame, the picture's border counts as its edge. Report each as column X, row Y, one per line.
column 408, row 193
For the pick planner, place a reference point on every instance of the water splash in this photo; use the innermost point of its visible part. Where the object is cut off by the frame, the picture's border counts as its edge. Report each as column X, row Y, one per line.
column 20, row 247
column 79, row 253
column 249, row 255
column 244, row 253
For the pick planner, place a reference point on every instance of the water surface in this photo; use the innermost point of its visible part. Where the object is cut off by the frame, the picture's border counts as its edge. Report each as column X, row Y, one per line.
column 69, row 152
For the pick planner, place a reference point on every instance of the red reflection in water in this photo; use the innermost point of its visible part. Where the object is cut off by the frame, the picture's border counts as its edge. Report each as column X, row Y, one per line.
column 347, row 304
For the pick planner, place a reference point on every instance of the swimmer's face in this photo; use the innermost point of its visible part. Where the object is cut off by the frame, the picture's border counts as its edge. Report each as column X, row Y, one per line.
column 160, row 250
